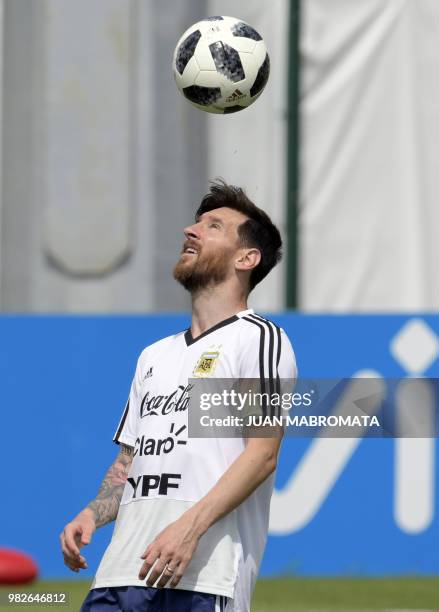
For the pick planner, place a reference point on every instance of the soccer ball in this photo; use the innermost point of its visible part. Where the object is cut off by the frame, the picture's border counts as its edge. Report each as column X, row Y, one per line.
column 221, row 65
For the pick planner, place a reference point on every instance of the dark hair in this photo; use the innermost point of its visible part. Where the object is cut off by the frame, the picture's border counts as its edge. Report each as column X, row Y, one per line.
column 258, row 231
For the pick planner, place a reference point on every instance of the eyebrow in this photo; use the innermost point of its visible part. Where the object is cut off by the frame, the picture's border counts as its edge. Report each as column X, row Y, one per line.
column 215, row 219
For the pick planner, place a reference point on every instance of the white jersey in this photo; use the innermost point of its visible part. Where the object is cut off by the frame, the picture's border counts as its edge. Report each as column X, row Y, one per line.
column 170, row 471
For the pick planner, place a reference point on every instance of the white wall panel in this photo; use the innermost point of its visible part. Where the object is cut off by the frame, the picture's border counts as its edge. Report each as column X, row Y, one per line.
column 370, row 153
column 89, row 204
column 104, row 161
column 248, row 148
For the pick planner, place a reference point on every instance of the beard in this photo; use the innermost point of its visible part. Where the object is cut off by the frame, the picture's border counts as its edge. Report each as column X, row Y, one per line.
column 205, row 271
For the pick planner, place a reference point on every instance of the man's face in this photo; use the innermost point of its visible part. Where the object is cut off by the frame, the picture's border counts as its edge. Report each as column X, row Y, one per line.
column 210, row 249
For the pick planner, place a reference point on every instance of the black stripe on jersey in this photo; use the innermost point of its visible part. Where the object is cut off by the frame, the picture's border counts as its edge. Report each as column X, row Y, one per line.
column 274, row 380
column 270, row 358
column 122, row 422
column 279, row 346
column 188, row 334
column 261, row 358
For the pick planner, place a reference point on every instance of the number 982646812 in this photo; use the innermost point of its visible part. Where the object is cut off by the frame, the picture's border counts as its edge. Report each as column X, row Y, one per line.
column 30, row 598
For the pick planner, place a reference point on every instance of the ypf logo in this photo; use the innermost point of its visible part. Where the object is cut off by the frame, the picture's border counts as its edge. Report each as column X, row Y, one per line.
column 415, row 348
column 156, row 483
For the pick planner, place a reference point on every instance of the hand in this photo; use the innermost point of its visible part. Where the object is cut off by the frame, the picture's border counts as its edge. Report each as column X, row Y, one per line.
column 77, row 534
column 170, row 553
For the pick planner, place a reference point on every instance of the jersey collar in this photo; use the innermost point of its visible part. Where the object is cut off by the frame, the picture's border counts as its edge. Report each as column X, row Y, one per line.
column 190, row 339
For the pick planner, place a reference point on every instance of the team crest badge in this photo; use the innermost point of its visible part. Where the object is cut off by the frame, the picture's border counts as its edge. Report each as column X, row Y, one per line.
column 206, row 363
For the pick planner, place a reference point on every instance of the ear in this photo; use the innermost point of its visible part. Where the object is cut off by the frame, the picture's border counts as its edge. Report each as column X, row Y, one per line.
column 247, row 259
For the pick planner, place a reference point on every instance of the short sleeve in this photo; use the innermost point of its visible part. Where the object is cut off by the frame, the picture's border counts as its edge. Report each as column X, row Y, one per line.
column 126, row 432
column 268, row 360
column 267, row 353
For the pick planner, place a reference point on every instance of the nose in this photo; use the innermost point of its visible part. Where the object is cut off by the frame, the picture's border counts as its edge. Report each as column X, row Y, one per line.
column 191, row 232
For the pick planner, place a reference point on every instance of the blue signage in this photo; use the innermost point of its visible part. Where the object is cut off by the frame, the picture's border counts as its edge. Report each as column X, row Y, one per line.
column 348, row 506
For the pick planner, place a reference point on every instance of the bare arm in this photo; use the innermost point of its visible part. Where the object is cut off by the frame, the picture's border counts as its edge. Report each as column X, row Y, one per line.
column 106, row 505
column 176, row 544
column 100, row 511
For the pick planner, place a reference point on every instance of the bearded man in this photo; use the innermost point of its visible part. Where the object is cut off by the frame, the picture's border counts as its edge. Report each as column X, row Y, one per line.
column 192, row 513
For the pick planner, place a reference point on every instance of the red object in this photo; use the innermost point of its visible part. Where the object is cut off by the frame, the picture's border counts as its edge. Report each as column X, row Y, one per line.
column 16, row 567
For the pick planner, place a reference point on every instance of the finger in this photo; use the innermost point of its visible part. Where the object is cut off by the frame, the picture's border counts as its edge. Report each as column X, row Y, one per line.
column 178, row 574
column 167, row 575
column 147, row 565
column 144, row 570
column 73, row 561
column 78, row 561
column 69, row 534
column 180, row 570
column 71, row 564
column 86, row 536
column 147, row 551
column 63, row 543
column 68, row 554
column 71, row 558
column 73, row 568
column 156, row 572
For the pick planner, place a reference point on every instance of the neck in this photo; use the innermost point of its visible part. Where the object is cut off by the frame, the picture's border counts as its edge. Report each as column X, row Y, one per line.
column 214, row 304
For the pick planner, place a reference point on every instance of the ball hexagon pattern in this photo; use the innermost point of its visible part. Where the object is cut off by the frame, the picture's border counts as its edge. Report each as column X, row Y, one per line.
column 221, row 64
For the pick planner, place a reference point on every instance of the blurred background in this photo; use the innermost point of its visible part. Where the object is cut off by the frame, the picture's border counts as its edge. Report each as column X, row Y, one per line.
column 102, row 165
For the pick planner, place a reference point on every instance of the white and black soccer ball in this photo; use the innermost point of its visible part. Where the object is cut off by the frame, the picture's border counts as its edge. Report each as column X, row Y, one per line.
column 221, row 64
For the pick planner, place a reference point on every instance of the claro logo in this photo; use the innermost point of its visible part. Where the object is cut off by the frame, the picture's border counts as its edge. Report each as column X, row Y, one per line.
column 415, row 347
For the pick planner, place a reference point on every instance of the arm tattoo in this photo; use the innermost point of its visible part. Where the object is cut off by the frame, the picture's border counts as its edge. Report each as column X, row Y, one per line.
column 126, row 450
column 106, row 505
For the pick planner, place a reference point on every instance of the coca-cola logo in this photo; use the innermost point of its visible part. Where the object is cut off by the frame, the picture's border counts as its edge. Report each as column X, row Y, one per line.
column 154, row 405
